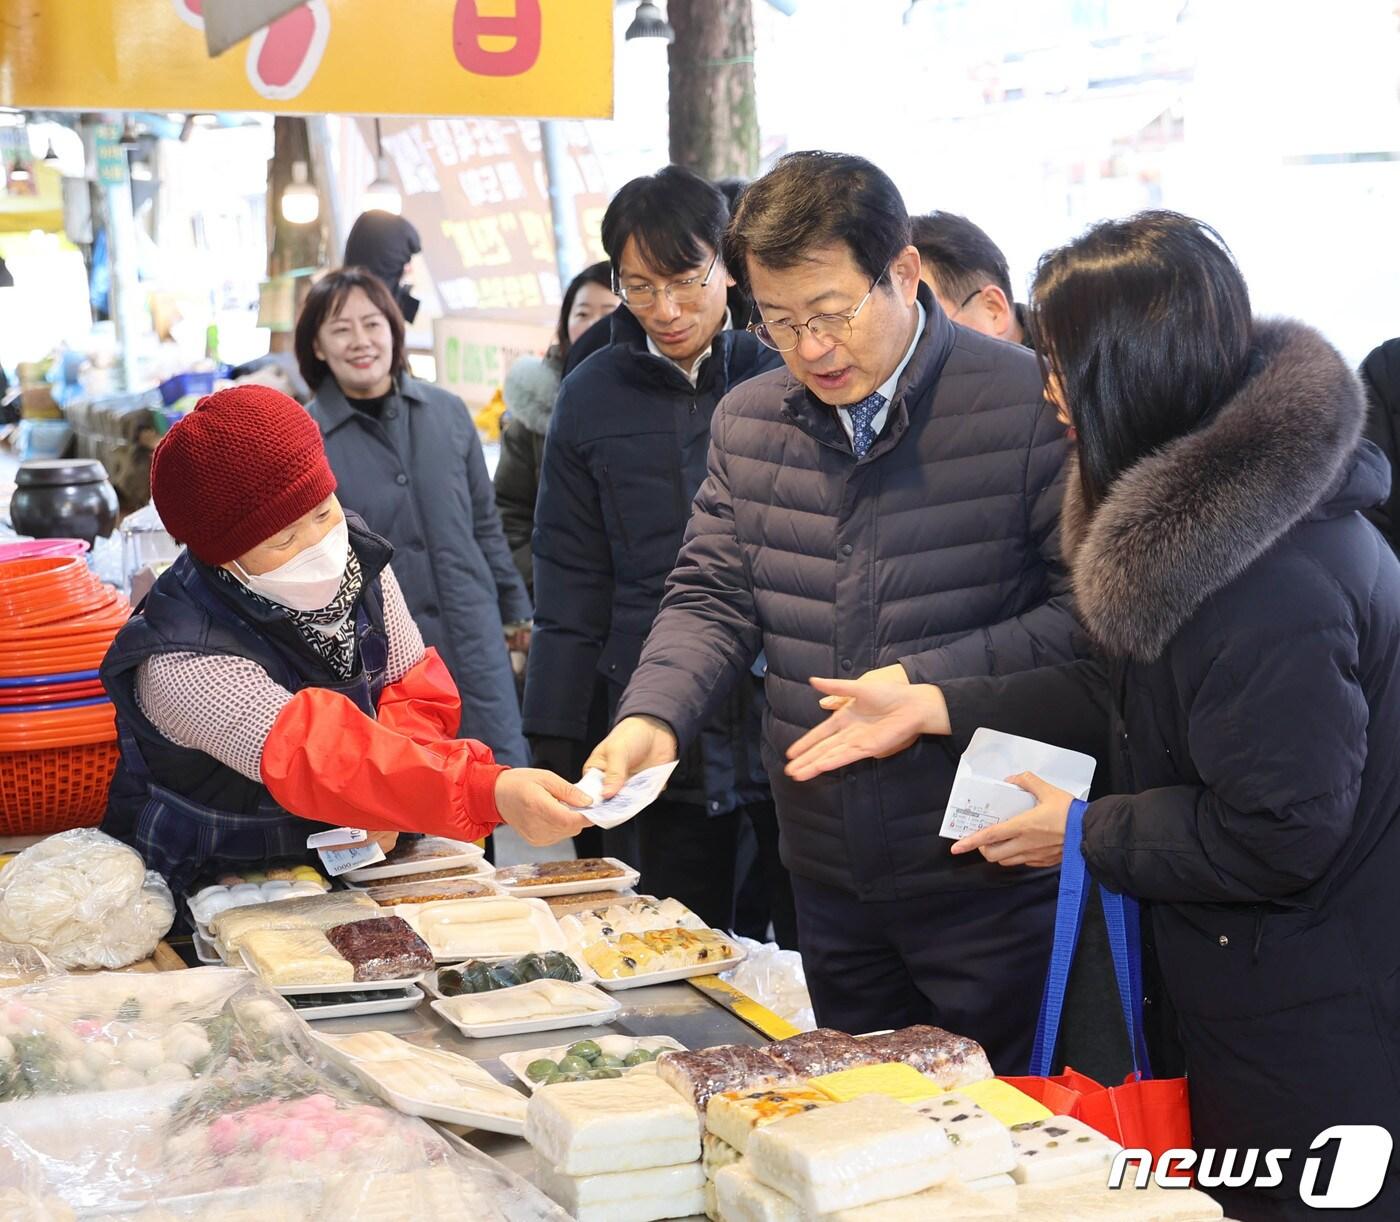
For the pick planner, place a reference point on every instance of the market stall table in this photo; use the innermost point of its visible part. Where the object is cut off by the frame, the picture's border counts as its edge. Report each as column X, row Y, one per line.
column 677, row 1010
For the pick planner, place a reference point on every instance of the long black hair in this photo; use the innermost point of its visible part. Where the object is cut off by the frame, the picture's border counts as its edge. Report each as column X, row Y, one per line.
column 1146, row 325
column 597, row 273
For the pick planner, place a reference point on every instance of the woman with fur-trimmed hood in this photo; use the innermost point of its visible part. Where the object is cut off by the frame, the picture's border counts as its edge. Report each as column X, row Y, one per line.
column 1247, row 705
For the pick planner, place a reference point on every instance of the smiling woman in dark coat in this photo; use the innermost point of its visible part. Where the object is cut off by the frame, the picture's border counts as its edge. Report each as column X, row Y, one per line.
column 1248, row 704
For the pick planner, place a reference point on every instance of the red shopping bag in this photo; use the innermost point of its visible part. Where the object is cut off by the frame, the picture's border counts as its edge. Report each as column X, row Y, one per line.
column 1142, row 1114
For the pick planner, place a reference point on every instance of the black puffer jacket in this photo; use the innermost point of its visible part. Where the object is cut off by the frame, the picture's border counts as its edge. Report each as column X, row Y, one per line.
column 1380, row 374
column 625, row 455
column 937, row 549
column 1249, row 714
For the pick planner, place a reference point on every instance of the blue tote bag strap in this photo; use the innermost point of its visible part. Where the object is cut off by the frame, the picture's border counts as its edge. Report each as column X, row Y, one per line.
column 1069, row 916
column 1122, row 920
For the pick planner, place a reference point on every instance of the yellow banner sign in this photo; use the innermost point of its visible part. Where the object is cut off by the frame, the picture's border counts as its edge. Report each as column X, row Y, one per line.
column 546, row 58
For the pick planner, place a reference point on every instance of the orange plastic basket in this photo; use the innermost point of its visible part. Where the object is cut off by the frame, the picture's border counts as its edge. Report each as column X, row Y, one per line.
column 42, row 792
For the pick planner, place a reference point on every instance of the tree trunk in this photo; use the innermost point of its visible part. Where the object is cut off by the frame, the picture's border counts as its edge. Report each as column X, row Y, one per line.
column 290, row 246
column 714, row 115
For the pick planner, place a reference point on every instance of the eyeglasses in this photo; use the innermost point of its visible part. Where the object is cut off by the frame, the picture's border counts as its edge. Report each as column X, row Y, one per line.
column 963, row 306
column 829, row 330
column 678, row 292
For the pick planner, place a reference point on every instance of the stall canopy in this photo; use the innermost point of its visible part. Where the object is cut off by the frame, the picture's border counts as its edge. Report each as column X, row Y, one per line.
column 545, row 58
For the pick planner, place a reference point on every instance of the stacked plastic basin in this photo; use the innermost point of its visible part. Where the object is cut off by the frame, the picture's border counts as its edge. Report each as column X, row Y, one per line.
column 58, row 738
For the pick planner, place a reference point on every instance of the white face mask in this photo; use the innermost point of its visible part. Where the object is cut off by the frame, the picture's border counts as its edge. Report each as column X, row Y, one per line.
column 311, row 578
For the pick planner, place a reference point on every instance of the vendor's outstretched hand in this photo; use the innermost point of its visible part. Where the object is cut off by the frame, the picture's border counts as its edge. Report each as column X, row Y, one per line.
column 533, row 802
column 873, row 720
column 635, row 744
column 1035, row 838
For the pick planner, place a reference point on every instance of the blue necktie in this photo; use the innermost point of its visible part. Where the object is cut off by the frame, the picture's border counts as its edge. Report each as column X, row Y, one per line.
column 862, row 414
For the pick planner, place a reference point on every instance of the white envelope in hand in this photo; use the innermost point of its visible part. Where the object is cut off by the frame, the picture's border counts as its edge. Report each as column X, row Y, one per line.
column 981, row 797
column 634, row 797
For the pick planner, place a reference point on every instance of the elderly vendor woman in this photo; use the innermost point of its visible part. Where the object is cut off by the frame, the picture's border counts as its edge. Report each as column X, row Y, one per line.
column 273, row 681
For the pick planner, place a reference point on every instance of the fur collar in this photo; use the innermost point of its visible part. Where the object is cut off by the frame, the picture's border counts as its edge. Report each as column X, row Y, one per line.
column 529, row 391
column 1184, row 522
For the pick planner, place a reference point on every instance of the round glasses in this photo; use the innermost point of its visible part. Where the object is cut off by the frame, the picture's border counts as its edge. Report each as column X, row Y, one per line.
column 678, row 292
column 829, row 330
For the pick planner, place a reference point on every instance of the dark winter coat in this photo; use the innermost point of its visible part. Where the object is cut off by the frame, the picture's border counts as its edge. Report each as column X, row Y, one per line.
column 418, row 477
column 625, row 456
column 1248, row 714
column 938, row 549
column 530, row 389
column 1380, row 375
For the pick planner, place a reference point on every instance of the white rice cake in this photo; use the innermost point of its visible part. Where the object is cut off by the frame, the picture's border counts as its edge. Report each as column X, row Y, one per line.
column 524, row 1003
column 303, row 912
column 1000, row 1189
column 616, row 1124
column 735, row 1114
column 742, row 1198
column 712, row 1202
column 627, row 1196
column 485, row 928
column 1089, row 1197
column 950, row 1202
column 871, row 1149
column 295, row 956
column 1057, row 1149
column 981, row 1143
column 716, row 1153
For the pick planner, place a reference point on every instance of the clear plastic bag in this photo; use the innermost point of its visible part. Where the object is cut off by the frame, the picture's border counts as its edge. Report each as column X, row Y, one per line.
column 262, row 1127
column 84, row 900
column 24, row 965
column 774, row 978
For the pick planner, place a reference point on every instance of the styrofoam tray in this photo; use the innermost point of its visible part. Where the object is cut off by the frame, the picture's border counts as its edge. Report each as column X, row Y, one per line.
column 421, row 1107
column 468, row 855
column 551, row 937
column 672, row 974
column 392, row 1004
column 430, row 979
column 608, row 1009
column 204, row 949
column 341, row 986
column 616, row 1045
column 623, row 882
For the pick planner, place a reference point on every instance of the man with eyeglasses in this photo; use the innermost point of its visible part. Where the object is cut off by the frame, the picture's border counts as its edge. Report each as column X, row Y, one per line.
column 624, row 457
column 886, row 507
column 969, row 276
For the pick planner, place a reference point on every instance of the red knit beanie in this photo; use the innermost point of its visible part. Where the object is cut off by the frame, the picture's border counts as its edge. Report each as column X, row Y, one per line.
column 246, row 463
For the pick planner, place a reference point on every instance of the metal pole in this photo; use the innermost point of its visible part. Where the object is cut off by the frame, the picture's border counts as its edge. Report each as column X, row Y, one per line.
column 318, row 137
column 126, row 303
column 568, row 250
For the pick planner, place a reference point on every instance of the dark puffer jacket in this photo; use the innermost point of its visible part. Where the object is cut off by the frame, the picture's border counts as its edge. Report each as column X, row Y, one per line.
column 625, row 455
column 1380, row 375
column 938, row 549
column 1249, row 714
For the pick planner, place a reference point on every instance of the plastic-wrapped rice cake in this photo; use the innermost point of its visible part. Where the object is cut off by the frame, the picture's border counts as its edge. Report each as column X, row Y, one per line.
column 627, row 1196
column 295, row 956
column 950, row 1060
column 700, row 1075
column 981, row 1143
column 850, row 1154
column 734, row 1115
column 382, row 948
column 743, row 1198
column 1058, row 1148
column 823, row 1051
column 617, row 1124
